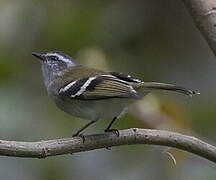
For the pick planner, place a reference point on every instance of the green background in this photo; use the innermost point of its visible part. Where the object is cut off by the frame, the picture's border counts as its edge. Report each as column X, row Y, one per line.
column 151, row 40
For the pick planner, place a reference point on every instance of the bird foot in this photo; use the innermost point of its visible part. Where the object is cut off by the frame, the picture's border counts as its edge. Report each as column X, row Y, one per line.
column 79, row 135
column 116, row 131
column 108, row 148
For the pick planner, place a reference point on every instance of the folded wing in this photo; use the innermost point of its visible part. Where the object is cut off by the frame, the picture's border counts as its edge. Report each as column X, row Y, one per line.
column 98, row 87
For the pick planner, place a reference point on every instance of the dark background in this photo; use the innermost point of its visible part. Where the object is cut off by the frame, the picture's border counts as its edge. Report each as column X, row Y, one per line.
column 153, row 40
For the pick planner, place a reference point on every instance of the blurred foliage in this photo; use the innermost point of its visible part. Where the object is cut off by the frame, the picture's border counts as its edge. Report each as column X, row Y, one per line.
column 153, row 40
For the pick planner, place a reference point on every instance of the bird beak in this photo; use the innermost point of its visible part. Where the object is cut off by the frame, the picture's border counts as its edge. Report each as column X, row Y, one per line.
column 39, row 56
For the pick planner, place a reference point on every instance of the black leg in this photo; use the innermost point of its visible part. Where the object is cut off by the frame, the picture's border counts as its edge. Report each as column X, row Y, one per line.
column 84, row 127
column 109, row 126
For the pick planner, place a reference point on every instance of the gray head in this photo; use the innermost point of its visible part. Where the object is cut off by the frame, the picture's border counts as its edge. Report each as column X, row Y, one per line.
column 54, row 63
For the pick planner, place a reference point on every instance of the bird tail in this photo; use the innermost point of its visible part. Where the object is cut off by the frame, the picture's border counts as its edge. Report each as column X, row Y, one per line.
column 163, row 86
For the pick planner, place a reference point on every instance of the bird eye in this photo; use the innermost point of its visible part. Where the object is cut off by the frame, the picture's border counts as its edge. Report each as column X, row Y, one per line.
column 53, row 58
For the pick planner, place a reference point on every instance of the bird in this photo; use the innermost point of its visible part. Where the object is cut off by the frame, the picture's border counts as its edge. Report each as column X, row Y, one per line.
column 93, row 94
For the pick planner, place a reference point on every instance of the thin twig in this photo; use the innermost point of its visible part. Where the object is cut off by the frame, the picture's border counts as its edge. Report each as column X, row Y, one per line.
column 169, row 154
column 42, row 149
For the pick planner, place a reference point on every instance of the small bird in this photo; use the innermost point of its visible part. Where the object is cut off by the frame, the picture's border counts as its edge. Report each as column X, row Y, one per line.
column 90, row 93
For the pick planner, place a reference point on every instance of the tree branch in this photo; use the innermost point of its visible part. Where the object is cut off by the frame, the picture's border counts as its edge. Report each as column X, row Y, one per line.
column 204, row 15
column 42, row 149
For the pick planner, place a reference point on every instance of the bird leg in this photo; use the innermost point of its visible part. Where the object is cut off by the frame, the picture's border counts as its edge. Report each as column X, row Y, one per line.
column 112, row 130
column 83, row 128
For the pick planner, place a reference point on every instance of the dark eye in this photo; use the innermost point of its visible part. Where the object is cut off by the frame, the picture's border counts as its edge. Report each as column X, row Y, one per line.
column 53, row 58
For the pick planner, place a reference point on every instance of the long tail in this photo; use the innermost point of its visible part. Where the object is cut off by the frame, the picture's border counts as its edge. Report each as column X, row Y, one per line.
column 169, row 87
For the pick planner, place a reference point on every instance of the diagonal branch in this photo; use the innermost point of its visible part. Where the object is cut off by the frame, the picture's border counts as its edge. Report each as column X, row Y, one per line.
column 42, row 149
column 204, row 15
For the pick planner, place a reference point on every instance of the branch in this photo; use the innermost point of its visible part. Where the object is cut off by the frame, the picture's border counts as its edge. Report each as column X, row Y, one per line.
column 204, row 15
column 42, row 149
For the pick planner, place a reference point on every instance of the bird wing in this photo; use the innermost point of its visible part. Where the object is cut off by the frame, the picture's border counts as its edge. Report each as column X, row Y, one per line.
column 126, row 77
column 98, row 87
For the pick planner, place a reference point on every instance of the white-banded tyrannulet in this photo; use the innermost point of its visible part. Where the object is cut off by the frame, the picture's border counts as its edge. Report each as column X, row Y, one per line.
column 90, row 93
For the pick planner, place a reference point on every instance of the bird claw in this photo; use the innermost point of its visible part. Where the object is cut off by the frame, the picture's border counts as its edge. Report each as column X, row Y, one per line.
column 79, row 135
column 116, row 131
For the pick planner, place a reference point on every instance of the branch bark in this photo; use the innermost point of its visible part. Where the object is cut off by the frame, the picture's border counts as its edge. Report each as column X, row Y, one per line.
column 204, row 15
column 42, row 149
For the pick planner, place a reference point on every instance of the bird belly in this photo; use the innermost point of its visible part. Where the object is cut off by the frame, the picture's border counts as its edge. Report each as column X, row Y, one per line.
column 95, row 109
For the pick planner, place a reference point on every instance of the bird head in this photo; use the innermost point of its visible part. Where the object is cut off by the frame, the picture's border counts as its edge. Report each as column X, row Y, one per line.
column 55, row 58
column 54, row 64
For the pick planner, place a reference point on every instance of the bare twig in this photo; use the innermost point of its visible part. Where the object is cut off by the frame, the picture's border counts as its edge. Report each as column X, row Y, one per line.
column 204, row 15
column 169, row 154
column 42, row 149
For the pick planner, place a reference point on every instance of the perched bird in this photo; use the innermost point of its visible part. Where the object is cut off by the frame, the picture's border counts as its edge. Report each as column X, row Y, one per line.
column 91, row 93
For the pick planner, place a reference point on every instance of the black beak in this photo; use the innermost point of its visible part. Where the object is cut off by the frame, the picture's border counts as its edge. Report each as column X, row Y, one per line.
column 38, row 55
